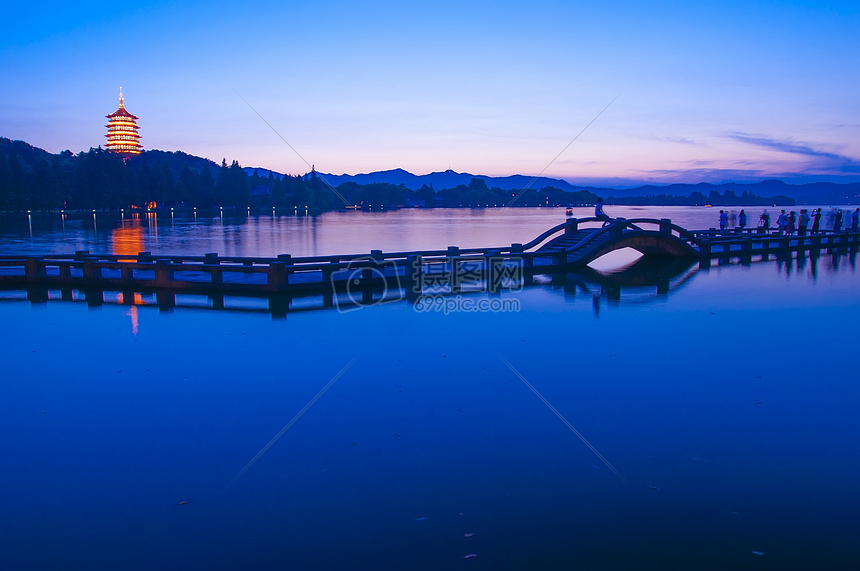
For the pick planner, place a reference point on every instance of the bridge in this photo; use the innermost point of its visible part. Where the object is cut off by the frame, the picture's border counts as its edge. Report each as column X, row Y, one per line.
column 365, row 279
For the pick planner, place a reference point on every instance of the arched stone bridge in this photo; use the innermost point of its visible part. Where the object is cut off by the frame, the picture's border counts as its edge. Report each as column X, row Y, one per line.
column 571, row 244
column 578, row 246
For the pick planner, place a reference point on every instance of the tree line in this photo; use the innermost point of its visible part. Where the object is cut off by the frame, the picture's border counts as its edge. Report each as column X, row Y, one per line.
column 33, row 179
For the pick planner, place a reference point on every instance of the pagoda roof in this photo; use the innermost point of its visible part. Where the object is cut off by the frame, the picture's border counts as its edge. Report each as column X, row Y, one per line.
column 121, row 112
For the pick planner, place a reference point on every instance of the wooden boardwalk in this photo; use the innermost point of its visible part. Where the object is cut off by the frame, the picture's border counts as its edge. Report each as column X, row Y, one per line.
column 363, row 278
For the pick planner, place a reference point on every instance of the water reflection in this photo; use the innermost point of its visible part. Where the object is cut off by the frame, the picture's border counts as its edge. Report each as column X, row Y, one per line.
column 643, row 282
column 806, row 264
column 331, row 233
column 646, row 280
column 128, row 239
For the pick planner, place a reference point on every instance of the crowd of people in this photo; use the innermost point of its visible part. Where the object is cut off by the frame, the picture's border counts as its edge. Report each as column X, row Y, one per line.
column 786, row 224
column 796, row 222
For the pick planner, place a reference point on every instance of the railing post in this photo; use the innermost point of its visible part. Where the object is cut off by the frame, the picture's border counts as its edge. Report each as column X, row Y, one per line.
column 570, row 226
column 32, row 268
column 286, row 258
column 666, row 226
column 35, row 295
column 277, row 275
column 143, row 257
column 165, row 300
column 328, row 272
column 279, row 305
column 215, row 277
column 90, row 271
column 376, row 255
column 80, row 255
column 746, row 252
column 163, row 273
column 94, row 297
column 413, row 278
column 495, row 271
column 516, row 247
column 366, row 290
column 453, row 274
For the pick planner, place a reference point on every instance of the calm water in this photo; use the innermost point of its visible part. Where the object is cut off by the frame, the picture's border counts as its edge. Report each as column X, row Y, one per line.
column 328, row 234
column 727, row 408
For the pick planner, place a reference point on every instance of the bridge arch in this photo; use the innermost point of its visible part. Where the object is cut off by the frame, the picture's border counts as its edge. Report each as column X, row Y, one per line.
column 647, row 243
column 582, row 246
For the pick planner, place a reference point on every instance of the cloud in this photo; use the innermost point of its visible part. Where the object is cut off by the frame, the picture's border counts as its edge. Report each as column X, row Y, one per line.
column 681, row 140
column 702, row 174
column 835, row 161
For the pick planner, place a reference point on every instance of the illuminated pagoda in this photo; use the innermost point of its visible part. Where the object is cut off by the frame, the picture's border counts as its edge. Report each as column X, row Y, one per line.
column 122, row 131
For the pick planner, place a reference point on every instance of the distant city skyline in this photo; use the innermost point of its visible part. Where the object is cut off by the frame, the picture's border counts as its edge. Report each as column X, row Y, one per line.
column 711, row 92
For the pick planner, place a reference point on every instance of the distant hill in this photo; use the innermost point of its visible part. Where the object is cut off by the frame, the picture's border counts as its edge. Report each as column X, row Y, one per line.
column 451, row 179
column 28, row 157
column 818, row 192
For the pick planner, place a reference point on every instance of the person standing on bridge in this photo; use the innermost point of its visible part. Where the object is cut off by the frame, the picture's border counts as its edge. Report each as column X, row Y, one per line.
column 837, row 221
column 792, row 219
column 855, row 220
column 764, row 221
column 803, row 222
column 599, row 213
column 724, row 220
column 742, row 219
column 816, row 220
column 782, row 222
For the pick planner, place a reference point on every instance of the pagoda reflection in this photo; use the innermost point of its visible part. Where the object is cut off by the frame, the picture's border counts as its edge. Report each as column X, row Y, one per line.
column 127, row 240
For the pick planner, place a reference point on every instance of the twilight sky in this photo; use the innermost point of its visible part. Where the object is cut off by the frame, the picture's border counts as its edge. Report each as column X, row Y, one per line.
column 709, row 91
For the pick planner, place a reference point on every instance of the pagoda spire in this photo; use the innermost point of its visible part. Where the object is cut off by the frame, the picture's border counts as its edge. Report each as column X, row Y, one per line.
column 121, row 104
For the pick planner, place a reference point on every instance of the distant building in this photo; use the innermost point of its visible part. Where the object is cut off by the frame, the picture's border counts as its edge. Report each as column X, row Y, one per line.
column 122, row 131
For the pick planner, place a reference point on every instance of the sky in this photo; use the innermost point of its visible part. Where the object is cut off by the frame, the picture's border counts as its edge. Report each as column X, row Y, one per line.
column 613, row 93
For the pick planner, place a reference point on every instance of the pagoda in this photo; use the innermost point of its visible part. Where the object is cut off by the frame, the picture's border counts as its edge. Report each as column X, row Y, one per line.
column 122, row 131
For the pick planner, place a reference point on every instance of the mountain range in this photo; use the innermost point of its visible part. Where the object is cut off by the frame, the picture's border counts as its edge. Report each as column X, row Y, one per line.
column 819, row 193
column 809, row 193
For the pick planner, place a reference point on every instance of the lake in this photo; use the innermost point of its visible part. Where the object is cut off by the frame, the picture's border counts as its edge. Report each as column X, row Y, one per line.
column 586, row 423
column 337, row 232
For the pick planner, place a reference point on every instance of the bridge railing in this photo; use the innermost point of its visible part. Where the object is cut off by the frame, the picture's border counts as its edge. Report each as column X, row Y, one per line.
column 616, row 226
column 253, row 274
column 758, row 232
column 544, row 236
